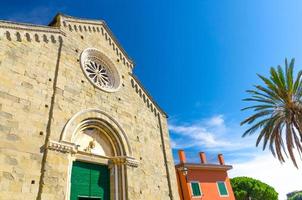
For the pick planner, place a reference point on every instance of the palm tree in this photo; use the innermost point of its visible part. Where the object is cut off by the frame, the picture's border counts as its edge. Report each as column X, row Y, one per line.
column 277, row 112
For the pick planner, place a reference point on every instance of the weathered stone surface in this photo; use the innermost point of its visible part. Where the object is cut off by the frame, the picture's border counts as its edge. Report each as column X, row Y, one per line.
column 11, row 161
column 7, row 96
column 28, row 103
column 27, row 85
column 4, row 129
column 8, row 176
column 6, row 115
column 12, row 137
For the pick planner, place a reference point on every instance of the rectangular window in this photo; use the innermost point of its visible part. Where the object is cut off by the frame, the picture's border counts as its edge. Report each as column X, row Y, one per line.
column 196, row 191
column 222, row 188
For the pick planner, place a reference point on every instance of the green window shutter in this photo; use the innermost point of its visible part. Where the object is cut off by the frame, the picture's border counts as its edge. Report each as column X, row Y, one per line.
column 222, row 189
column 195, row 189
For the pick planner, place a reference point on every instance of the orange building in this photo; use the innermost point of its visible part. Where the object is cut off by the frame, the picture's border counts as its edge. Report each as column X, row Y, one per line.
column 203, row 181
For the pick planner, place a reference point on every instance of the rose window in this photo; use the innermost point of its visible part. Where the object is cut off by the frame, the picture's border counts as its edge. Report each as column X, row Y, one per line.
column 99, row 70
column 98, row 74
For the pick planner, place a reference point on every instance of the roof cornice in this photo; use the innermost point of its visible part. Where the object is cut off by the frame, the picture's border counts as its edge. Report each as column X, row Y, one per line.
column 142, row 91
column 213, row 167
column 60, row 20
column 30, row 27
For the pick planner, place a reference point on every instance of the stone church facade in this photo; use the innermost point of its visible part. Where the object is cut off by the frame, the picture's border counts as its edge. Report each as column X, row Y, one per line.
column 75, row 123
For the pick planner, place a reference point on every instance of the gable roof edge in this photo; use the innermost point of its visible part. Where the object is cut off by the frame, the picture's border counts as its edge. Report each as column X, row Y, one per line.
column 60, row 17
column 148, row 95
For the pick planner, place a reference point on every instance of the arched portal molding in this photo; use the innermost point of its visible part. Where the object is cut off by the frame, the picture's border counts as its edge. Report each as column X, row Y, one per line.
column 109, row 146
column 96, row 117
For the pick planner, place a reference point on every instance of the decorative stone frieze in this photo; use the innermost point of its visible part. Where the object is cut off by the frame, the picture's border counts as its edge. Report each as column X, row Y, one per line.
column 12, row 35
column 30, row 27
column 145, row 96
column 61, row 147
column 132, row 162
column 125, row 160
column 30, row 33
column 98, row 27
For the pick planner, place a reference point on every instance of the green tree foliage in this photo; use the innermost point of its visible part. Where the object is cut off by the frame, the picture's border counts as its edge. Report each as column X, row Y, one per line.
column 245, row 188
column 277, row 112
column 295, row 196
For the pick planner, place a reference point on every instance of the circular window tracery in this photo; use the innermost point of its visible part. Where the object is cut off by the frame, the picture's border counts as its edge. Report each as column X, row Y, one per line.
column 99, row 70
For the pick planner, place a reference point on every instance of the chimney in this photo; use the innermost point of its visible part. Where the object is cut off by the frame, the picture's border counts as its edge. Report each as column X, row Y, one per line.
column 182, row 156
column 203, row 158
column 220, row 159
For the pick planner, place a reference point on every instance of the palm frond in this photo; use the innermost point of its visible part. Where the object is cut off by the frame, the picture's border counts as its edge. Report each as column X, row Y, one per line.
column 255, row 127
column 297, row 83
column 269, row 92
column 252, row 118
column 290, row 143
column 258, row 107
column 269, row 84
column 277, row 80
column 289, row 75
column 260, row 100
column 277, row 112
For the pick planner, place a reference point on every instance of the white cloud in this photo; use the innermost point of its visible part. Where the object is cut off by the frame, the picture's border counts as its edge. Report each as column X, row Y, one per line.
column 284, row 178
column 216, row 121
column 196, row 136
column 211, row 133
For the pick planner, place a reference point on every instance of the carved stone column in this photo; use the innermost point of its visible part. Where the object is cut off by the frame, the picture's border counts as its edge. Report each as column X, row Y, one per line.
column 119, row 164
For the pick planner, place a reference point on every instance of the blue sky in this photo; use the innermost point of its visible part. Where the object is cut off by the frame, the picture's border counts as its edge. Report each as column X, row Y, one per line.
column 197, row 58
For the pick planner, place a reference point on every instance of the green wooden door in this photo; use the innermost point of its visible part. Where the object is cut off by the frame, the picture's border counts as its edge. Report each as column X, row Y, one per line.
column 89, row 182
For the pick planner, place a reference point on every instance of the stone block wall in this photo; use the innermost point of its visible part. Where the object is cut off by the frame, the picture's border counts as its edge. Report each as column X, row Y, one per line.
column 26, row 69
column 43, row 86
